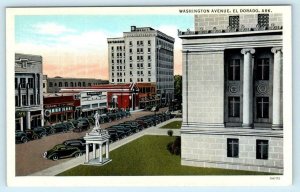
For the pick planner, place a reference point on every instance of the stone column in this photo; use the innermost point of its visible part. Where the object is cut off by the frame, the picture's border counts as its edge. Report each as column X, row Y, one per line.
column 42, row 118
column 94, row 150
column 28, row 120
column 247, row 88
column 87, row 152
column 21, row 123
column 100, row 153
column 107, row 150
column 277, row 117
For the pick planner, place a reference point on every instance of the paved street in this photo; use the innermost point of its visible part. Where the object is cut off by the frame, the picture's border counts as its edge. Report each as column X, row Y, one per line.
column 29, row 155
column 73, row 162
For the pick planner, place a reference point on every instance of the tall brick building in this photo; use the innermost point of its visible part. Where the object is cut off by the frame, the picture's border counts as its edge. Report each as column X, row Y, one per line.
column 232, row 92
column 143, row 55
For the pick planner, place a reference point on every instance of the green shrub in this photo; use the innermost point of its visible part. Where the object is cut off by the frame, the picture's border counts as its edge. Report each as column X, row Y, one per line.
column 170, row 133
column 175, row 147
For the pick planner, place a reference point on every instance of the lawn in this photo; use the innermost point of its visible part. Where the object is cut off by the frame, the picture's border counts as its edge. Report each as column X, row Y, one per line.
column 172, row 125
column 147, row 156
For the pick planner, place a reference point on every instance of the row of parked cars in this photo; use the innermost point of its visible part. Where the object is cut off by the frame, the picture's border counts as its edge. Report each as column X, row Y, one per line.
column 76, row 147
column 78, row 125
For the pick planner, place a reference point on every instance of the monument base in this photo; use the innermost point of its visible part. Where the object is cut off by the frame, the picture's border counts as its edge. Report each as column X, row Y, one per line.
column 96, row 162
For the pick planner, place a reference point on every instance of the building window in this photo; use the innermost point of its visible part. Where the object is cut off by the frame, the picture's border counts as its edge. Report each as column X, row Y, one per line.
column 60, row 84
column 142, row 79
column 112, row 55
column 31, row 99
column 30, row 82
column 262, row 149
column 263, row 69
column 142, row 66
column 130, row 50
column 79, row 84
column 263, row 20
column 112, row 49
column 55, row 84
column 112, row 61
column 130, row 43
column 50, row 84
column 16, row 101
column 66, row 84
column 112, row 74
column 24, row 100
column 89, row 84
column 138, row 79
column 112, row 68
column 23, row 82
column 130, row 79
column 72, row 84
column 44, row 85
column 232, row 148
column 234, row 22
column 16, row 83
column 24, row 64
column 149, row 65
column 149, row 57
column 149, row 50
column 130, row 65
column 130, row 72
column 234, row 106
column 234, row 70
column 149, row 73
column 149, row 42
column 262, row 107
column 149, row 79
column 130, row 58
column 83, row 84
column 112, row 80
column 75, row 84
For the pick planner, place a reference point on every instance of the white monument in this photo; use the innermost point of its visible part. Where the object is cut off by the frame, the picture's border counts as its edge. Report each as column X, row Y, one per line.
column 96, row 137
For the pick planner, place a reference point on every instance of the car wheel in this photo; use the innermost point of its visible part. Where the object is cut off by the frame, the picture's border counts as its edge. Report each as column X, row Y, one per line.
column 51, row 131
column 64, row 130
column 24, row 140
column 54, row 157
column 77, row 155
column 43, row 135
column 35, row 137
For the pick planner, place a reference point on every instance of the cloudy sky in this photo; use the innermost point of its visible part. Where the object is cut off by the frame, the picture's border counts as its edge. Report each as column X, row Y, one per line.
column 76, row 46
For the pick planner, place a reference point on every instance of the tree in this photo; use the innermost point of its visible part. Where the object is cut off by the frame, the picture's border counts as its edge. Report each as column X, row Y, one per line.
column 178, row 87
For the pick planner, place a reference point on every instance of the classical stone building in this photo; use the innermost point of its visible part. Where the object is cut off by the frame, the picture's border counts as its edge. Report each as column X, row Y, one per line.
column 54, row 84
column 143, row 55
column 28, row 91
column 232, row 92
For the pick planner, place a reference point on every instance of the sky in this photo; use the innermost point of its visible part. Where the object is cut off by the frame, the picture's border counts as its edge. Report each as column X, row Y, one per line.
column 76, row 45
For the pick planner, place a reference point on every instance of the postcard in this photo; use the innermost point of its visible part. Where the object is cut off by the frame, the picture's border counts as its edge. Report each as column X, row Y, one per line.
column 149, row 96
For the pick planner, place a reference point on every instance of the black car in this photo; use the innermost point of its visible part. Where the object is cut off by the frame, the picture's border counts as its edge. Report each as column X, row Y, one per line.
column 21, row 137
column 120, row 132
column 104, row 119
column 135, row 124
column 36, row 133
column 127, row 130
column 83, row 124
column 69, row 125
column 58, row 128
column 79, row 143
column 62, row 151
column 113, row 135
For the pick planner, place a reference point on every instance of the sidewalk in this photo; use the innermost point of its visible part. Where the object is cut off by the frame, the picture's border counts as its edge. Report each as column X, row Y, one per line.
column 155, row 130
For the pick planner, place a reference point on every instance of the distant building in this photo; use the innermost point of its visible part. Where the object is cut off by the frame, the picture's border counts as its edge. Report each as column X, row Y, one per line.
column 123, row 96
column 60, row 107
column 143, row 55
column 232, row 92
column 28, row 91
column 54, row 84
column 147, row 95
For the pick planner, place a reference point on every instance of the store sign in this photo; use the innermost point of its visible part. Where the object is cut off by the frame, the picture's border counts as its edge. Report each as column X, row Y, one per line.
column 94, row 93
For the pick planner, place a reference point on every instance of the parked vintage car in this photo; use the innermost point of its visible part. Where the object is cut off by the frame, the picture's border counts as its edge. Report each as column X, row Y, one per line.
column 113, row 135
column 58, row 128
column 21, row 137
column 83, row 124
column 79, row 143
column 36, row 133
column 62, row 151
column 69, row 125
